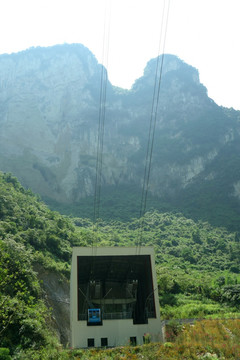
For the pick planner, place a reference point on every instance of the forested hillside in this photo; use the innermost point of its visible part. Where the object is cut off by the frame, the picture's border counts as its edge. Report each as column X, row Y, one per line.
column 197, row 265
column 30, row 235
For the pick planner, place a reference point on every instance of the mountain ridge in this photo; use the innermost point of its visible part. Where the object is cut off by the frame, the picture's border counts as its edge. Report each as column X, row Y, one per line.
column 49, row 107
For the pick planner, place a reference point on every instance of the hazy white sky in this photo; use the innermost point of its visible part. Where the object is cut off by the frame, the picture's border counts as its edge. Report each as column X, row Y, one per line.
column 203, row 33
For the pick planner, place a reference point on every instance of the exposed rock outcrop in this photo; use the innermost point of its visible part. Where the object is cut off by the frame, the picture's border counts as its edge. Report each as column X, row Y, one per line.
column 57, row 298
column 49, row 108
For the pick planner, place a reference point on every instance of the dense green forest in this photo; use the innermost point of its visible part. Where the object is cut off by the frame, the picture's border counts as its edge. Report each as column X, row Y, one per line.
column 197, row 265
column 199, row 201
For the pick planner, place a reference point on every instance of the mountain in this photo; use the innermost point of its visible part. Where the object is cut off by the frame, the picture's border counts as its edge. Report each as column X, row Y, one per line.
column 49, row 111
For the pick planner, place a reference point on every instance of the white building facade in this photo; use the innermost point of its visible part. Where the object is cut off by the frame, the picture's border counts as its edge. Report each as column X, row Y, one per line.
column 113, row 297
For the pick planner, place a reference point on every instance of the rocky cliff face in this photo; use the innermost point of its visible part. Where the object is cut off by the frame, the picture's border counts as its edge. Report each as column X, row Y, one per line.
column 49, row 108
column 57, row 298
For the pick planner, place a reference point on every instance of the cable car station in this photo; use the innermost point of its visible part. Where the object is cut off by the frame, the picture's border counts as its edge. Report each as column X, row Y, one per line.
column 113, row 297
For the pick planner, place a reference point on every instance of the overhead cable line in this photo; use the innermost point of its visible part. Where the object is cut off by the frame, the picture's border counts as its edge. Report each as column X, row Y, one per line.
column 101, row 119
column 153, row 117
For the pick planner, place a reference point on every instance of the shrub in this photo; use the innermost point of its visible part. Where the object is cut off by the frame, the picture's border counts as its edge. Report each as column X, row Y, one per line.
column 5, row 354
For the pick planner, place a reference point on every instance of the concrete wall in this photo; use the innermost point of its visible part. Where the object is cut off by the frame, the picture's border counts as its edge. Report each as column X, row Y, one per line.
column 118, row 332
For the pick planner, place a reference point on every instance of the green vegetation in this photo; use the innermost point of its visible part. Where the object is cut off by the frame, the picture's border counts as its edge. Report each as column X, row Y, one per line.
column 120, row 203
column 204, row 340
column 30, row 234
column 207, row 201
column 198, row 267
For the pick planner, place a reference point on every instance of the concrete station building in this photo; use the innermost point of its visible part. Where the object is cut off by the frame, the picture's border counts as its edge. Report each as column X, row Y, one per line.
column 113, row 297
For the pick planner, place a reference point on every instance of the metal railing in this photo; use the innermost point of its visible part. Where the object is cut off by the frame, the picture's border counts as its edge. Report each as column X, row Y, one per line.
column 109, row 316
column 117, row 315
